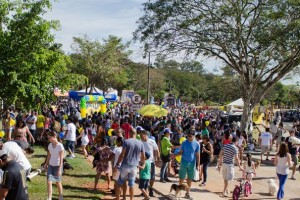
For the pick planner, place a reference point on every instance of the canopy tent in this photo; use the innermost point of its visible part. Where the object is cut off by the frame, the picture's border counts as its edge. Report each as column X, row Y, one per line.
column 111, row 95
column 239, row 103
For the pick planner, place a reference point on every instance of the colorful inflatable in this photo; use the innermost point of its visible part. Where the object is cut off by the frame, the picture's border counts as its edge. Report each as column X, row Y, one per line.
column 92, row 103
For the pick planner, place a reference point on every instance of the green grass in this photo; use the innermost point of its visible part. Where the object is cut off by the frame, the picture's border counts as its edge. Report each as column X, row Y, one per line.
column 76, row 183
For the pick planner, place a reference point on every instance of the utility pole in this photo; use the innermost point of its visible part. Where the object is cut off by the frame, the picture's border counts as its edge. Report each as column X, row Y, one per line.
column 148, row 86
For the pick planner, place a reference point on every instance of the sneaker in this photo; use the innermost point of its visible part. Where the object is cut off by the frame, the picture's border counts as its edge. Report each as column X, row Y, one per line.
column 162, row 181
column 168, row 180
column 225, row 195
column 151, row 193
column 187, row 196
column 203, row 184
column 73, row 156
column 61, row 197
column 293, row 178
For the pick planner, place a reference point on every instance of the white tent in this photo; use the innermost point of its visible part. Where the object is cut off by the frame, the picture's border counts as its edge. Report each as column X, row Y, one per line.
column 238, row 102
column 100, row 92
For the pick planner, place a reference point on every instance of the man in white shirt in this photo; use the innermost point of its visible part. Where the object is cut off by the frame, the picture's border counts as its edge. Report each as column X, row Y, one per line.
column 151, row 147
column 31, row 123
column 14, row 152
column 265, row 141
column 70, row 136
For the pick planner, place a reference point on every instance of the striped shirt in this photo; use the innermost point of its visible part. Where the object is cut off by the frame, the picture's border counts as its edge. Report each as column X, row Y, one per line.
column 229, row 152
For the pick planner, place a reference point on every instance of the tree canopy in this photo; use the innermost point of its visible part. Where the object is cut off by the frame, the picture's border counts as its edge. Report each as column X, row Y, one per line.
column 259, row 40
column 103, row 63
column 31, row 64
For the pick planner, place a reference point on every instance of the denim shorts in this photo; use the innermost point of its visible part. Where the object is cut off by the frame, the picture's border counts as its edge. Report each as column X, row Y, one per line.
column 70, row 145
column 127, row 172
column 187, row 169
column 52, row 174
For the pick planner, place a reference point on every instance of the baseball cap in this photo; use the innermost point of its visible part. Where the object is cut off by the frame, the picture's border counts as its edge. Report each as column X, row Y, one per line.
column 167, row 130
column 139, row 128
column 3, row 152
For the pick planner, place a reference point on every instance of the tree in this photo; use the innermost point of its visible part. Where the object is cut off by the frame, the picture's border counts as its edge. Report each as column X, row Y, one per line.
column 258, row 39
column 31, row 64
column 103, row 63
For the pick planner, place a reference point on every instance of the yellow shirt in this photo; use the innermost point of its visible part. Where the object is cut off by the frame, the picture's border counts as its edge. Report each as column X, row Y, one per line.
column 40, row 121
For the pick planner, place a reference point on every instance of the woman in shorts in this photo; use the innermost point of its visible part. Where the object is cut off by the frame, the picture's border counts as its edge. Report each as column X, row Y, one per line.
column 54, row 164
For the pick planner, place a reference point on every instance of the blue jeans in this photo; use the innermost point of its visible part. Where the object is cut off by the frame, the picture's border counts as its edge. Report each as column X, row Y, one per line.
column 204, row 169
column 282, row 179
column 163, row 171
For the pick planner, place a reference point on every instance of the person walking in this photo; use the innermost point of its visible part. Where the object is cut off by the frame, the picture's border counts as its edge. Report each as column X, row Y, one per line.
column 132, row 156
column 70, row 136
column 102, row 165
column 84, row 139
column 205, row 155
column 31, row 123
column 265, row 141
column 228, row 154
column 293, row 151
column 166, row 147
column 282, row 161
column 54, row 164
column 190, row 155
column 151, row 147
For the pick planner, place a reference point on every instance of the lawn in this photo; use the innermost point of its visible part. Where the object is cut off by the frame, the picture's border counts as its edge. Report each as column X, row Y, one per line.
column 77, row 183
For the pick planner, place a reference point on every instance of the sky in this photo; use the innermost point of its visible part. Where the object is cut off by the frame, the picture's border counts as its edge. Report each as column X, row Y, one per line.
column 100, row 18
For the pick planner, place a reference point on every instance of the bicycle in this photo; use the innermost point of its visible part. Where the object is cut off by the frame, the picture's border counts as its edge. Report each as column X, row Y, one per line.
column 244, row 188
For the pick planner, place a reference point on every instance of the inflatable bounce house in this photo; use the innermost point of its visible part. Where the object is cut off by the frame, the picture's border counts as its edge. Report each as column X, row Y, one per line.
column 92, row 103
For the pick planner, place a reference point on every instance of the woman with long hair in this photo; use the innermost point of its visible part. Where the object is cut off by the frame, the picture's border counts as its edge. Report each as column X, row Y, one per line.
column 282, row 161
column 84, row 139
column 21, row 131
column 205, row 155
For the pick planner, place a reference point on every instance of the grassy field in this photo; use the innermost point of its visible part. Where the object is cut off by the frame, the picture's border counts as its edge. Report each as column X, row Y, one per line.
column 77, row 183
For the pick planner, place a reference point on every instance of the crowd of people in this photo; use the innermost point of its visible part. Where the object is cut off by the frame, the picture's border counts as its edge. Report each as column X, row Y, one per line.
column 184, row 142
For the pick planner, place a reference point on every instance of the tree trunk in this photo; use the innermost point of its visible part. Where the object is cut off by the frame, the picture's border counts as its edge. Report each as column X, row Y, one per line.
column 246, row 117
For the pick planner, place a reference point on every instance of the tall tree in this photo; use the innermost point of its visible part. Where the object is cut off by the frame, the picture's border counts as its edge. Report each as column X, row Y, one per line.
column 30, row 61
column 258, row 39
column 103, row 63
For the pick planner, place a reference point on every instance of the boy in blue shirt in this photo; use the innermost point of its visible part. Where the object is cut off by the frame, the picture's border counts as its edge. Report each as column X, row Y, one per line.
column 145, row 176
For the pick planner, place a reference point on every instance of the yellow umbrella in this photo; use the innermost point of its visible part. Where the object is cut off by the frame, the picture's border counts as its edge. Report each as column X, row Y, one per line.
column 153, row 111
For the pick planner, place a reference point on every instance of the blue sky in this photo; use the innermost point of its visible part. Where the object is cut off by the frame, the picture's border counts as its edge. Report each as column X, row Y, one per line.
column 100, row 18
column 96, row 18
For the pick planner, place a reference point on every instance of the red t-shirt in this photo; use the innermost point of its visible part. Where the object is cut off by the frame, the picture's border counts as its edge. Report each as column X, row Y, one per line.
column 126, row 127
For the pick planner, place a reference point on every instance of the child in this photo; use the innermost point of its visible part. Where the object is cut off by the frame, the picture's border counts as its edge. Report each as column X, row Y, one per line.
column 117, row 151
column 145, row 176
column 84, row 139
column 249, row 169
column 102, row 165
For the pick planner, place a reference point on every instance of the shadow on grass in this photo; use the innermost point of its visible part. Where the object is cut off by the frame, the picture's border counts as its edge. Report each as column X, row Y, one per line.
column 79, row 175
column 38, row 156
column 82, row 197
